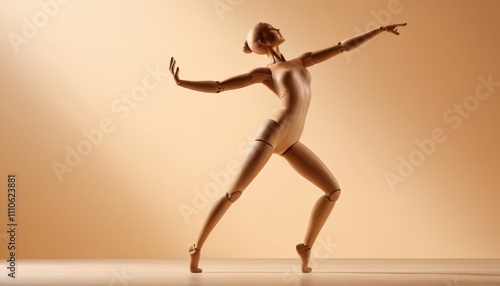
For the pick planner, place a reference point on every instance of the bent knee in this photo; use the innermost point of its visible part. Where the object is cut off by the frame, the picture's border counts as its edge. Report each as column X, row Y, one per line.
column 334, row 196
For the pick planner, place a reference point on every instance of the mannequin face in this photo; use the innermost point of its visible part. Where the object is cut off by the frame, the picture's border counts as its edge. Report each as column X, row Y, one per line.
column 272, row 36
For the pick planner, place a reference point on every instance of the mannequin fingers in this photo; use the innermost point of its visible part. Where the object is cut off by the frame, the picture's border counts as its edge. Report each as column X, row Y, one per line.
column 172, row 62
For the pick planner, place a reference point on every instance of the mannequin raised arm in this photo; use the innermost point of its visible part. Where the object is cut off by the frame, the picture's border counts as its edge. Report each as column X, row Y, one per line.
column 257, row 75
column 316, row 57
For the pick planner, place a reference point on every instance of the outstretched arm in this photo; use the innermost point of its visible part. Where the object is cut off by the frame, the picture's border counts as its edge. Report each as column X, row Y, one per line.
column 255, row 76
column 312, row 58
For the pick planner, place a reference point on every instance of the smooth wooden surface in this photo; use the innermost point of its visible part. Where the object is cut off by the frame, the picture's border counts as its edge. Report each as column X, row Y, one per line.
column 345, row 272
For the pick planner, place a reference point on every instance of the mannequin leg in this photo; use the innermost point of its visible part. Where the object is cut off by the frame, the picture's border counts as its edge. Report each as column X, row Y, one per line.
column 306, row 163
column 256, row 157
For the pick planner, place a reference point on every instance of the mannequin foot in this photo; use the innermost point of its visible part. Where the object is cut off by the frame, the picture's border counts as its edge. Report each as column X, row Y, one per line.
column 194, row 254
column 304, row 253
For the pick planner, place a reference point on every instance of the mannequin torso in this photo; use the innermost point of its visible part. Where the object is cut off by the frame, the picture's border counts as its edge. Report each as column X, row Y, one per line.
column 291, row 82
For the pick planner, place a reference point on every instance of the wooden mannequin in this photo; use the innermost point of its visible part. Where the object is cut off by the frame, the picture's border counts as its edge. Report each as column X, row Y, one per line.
column 290, row 81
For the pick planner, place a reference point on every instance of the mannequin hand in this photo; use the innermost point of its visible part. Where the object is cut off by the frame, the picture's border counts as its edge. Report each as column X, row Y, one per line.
column 174, row 71
column 393, row 28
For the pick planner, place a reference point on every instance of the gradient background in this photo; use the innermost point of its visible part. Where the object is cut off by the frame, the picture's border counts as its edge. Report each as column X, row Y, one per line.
column 124, row 199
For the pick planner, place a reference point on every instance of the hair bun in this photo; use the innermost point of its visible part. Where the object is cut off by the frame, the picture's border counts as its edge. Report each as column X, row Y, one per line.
column 246, row 48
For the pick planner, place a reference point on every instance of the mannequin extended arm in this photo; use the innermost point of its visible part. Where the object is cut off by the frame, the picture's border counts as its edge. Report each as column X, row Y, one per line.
column 255, row 76
column 346, row 45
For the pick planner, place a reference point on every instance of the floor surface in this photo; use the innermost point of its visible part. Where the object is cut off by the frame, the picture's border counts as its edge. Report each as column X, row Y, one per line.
column 257, row 272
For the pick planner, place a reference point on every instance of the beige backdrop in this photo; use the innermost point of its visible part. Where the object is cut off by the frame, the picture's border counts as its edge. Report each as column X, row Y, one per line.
column 113, row 160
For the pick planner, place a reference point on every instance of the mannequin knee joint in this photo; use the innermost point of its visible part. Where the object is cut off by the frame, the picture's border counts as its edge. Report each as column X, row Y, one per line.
column 334, row 196
column 233, row 197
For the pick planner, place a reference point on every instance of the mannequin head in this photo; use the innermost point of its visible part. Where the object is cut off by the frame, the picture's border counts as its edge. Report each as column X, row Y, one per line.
column 262, row 37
